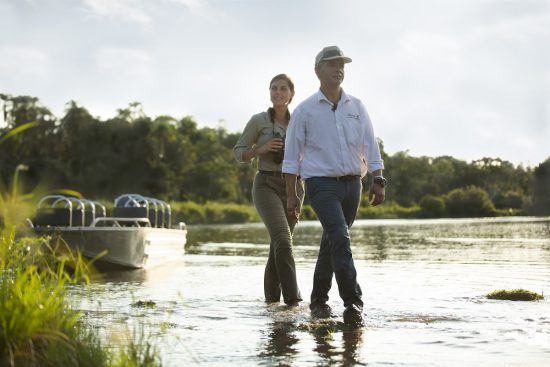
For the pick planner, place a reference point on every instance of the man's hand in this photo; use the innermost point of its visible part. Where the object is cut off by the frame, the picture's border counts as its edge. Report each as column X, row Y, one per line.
column 293, row 206
column 377, row 194
column 272, row 145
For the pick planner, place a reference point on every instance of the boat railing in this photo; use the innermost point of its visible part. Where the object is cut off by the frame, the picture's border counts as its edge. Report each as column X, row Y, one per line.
column 91, row 212
column 101, row 207
column 78, row 211
column 67, row 211
column 136, row 205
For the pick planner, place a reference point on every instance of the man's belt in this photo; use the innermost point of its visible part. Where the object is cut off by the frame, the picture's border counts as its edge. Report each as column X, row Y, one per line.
column 343, row 178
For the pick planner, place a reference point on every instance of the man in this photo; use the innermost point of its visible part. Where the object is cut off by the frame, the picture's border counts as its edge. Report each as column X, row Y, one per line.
column 330, row 143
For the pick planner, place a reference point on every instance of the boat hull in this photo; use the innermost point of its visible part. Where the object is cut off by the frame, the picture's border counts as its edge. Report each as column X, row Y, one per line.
column 127, row 247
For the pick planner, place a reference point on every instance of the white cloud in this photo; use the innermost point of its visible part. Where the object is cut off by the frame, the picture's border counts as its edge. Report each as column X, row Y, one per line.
column 192, row 5
column 121, row 62
column 23, row 61
column 128, row 10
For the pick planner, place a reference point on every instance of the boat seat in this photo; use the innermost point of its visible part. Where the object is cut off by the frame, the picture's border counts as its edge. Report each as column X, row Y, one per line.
column 130, row 212
column 160, row 219
column 153, row 218
column 89, row 217
column 57, row 217
column 167, row 223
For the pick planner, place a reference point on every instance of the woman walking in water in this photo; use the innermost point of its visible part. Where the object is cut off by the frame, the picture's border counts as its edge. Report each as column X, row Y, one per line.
column 263, row 137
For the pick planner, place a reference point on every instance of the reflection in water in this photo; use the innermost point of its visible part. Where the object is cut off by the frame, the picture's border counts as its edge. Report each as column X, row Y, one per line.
column 380, row 243
column 327, row 346
column 281, row 340
column 488, row 239
column 335, row 343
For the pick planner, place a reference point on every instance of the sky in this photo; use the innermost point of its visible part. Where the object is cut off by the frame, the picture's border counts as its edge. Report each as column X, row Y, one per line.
column 468, row 78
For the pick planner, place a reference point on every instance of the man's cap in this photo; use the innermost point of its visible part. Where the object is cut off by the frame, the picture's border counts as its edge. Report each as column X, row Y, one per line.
column 331, row 53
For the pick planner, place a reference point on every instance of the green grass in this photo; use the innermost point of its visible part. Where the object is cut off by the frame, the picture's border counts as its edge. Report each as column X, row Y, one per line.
column 212, row 213
column 139, row 351
column 38, row 326
column 515, row 295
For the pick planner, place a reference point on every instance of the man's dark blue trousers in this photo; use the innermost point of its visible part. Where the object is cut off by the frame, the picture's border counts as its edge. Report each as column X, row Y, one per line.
column 335, row 201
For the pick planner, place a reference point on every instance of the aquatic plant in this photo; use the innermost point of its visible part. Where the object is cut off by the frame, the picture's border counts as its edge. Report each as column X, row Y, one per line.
column 138, row 352
column 147, row 303
column 515, row 295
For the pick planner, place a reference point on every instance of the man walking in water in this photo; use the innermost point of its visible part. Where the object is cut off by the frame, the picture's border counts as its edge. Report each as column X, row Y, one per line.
column 330, row 143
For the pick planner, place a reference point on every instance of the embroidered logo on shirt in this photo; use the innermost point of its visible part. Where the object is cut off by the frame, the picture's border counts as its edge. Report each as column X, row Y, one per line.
column 352, row 116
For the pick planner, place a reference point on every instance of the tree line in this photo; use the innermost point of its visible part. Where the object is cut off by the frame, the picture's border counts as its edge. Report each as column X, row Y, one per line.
column 173, row 159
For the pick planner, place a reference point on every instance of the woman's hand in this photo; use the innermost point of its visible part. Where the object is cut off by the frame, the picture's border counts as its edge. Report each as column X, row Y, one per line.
column 273, row 145
column 293, row 206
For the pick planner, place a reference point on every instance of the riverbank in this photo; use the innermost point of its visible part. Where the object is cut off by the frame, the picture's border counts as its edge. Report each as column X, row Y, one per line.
column 228, row 213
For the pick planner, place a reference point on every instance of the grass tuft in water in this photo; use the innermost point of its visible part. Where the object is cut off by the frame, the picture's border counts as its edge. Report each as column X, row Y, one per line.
column 515, row 295
column 139, row 351
column 144, row 304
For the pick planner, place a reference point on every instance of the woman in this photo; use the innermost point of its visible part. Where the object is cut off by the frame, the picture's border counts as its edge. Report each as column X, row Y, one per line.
column 263, row 137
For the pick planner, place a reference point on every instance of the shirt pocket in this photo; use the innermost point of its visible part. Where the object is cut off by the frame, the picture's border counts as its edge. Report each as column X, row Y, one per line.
column 264, row 135
column 353, row 130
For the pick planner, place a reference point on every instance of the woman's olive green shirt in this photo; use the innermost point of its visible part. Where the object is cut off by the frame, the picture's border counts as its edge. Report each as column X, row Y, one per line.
column 258, row 131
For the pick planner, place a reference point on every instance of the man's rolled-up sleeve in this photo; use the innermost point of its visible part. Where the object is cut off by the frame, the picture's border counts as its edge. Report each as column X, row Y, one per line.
column 371, row 150
column 246, row 141
column 294, row 143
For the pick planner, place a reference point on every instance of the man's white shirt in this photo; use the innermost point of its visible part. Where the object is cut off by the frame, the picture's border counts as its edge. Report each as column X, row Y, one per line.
column 321, row 142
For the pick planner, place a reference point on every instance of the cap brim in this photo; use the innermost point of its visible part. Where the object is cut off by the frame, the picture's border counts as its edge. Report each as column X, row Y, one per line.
column 345, row 58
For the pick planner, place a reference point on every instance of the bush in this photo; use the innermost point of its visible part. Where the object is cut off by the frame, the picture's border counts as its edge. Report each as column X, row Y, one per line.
column 508, row 200
column 230, row 213
column 212, row 213
column 188, row 212
column 541, row 189
column 469, row 202
column 432, row 206
column 388, row 210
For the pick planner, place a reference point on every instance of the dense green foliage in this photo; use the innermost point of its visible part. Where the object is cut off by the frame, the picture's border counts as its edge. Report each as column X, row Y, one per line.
column 175, row 160
column 432, row 206
column 471, row 201
column 541, row 194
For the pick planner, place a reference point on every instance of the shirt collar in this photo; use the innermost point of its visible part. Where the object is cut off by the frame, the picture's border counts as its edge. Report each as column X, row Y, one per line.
column 321, row 97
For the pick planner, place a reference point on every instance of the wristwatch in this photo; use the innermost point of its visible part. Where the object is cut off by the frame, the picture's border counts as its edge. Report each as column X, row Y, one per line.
column 379, row 180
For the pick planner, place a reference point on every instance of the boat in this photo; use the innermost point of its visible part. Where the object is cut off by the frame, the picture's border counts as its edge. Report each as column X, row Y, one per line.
column 140, row 231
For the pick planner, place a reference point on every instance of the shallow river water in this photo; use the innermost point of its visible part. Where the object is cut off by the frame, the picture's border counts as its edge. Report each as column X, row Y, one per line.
column 424, row 285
